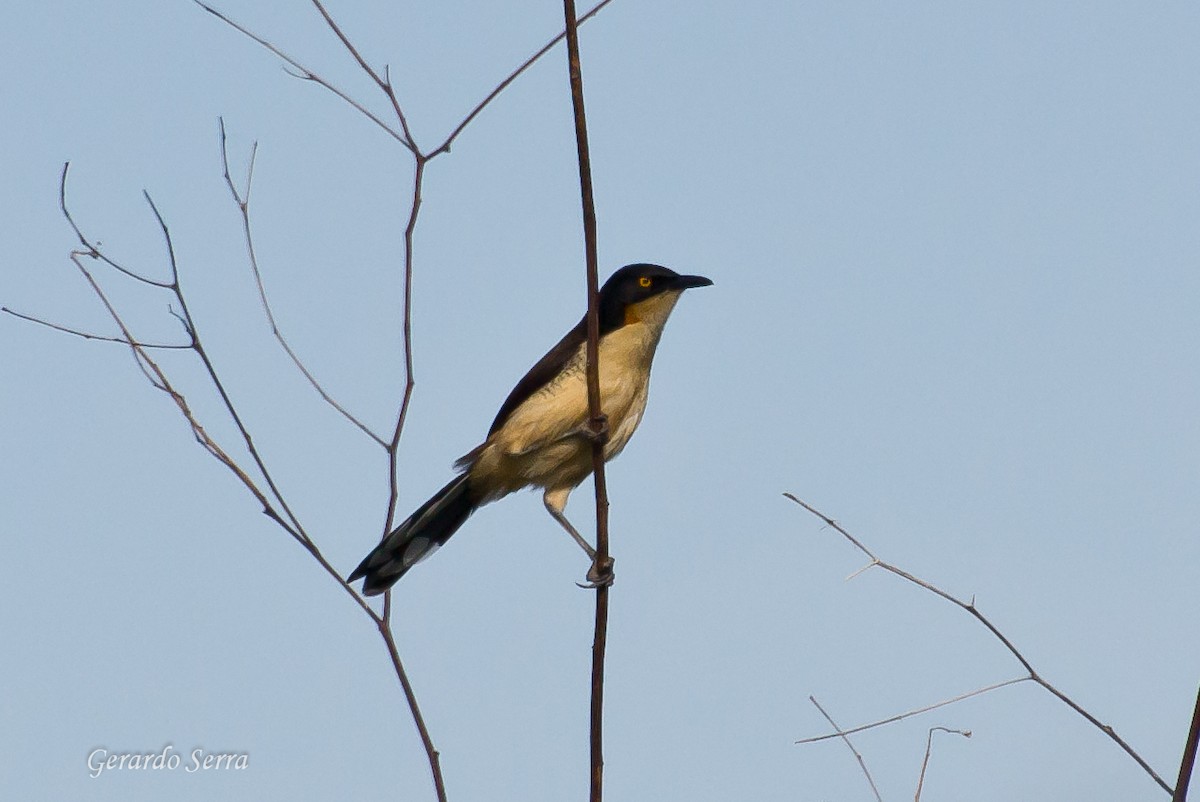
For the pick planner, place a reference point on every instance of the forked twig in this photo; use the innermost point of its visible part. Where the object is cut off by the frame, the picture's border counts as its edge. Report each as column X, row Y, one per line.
column 970, row 608
column 384, row 82
column 160, row 381
column 90, row 249
column 308, row 75
column 928, row 750
column 529, row 62
column 914, row 712
column 296, row 528
column 242, row 199
column 862, row 764
column 88, row 335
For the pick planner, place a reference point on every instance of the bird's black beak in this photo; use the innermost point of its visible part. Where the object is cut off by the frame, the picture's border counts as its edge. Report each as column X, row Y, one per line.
column 687, row 282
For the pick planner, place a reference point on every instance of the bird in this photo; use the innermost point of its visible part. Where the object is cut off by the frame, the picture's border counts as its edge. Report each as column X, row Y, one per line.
column 542, row 436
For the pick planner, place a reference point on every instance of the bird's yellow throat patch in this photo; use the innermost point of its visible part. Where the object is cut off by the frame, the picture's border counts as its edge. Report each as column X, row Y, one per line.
column 652, row 311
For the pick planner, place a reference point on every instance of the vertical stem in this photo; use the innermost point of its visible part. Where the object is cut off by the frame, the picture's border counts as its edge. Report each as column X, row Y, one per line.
column 602, row 561
column 435, row 764
column 409, row 382
column 1189, row 756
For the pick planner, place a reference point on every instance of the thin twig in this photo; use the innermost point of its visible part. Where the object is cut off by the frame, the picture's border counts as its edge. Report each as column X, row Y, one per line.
column 384, row 82
column 1189, row 756
column 529, row 62
column 242, row 200
column 92, row 249
column 306, row 74
column 970, row 608
column 383, row 621
column 915, row 712
column 862, row 764
column 160, row 381
column 198, row 346
column 402, row 136
column 602, row 561
column 928, row 750
column 88, row 336
column 406, row 333
column 385, row 631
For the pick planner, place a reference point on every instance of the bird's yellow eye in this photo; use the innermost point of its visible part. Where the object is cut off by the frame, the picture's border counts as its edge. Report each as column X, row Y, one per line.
column 645, row 281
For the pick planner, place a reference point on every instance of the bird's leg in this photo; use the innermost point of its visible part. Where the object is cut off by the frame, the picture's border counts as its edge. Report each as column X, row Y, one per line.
column 565, row 524
column 598, row 575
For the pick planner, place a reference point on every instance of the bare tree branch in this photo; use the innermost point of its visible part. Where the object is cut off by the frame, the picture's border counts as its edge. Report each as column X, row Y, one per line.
column 87, row 336
column 529, row 62
column 915, row 712
column 242, row 200
column 862, row 764
column 406, row 329
column 970, row 608
column 384, row 623
column 219, row 385
column 928, row 750
column 384, row 82
column 306, row 74
column 602, row 567
column 1189, row 756
column 91, row 249
column 160, row 381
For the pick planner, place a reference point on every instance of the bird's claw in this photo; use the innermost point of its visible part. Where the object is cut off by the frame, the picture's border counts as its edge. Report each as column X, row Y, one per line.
column 600, row 575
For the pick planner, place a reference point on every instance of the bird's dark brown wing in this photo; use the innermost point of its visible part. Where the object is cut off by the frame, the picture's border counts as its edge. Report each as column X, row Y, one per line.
column 541, row 373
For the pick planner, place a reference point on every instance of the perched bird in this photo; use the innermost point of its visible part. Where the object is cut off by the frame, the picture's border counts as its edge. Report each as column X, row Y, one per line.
column 541, row 437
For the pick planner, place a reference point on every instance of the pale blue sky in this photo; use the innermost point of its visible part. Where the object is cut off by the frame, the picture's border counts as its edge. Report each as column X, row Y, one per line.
column 955, row 253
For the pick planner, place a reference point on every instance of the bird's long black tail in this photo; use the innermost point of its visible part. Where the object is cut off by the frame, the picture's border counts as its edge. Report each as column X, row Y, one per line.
column 421, row 534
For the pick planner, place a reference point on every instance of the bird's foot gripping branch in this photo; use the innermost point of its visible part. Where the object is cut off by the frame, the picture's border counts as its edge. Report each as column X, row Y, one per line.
column 600, row 575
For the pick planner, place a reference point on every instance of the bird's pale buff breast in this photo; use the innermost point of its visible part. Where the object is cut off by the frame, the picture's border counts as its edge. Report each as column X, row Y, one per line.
column 543, row 442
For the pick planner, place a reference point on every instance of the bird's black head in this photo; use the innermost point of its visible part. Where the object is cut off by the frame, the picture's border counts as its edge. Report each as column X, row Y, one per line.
column 633, row 284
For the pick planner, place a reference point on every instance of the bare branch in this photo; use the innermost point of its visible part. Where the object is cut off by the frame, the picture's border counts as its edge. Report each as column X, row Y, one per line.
column 916, row 712
column 970, row 608
column 91, row 249
column 1189, row 756
column 87, row 336
column 875, row 561
column 296, row 528
column 602, row 562
column 384, row 82
column 529, row 62
column 242, row 200
column 928, row 749
column 160, row 381
column 308, row 75
column 862, row 764
column 383, row 622
column 409, row 381
column 435, row 763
